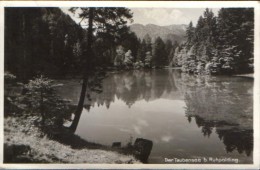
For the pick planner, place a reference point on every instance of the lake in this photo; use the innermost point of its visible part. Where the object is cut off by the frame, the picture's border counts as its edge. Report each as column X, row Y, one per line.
column 185, row 116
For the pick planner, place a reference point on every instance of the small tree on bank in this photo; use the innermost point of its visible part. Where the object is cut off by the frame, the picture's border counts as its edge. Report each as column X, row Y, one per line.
column 38, row 98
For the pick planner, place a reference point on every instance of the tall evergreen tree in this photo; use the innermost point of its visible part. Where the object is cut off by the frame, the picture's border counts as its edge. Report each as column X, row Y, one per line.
column 159, row 54
column 190, row 33
column 130, row 41
column 168, row 48
column 148, row 41
column 108, row 21
column 142, row 51
column 222, row 44
column 236, row 37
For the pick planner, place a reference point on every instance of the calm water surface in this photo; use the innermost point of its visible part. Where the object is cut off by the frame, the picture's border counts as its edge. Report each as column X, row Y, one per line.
column 185, row 116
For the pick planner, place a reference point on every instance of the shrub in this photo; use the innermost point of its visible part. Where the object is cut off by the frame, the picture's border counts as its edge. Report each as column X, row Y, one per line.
column 40, row 98
column 10, row 93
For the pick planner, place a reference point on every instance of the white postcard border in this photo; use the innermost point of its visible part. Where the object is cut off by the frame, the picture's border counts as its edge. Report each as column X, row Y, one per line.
column 140, row 4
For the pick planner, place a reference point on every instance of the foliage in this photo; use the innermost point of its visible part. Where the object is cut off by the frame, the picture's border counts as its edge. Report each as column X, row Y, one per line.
column 47, row 41
column 148, row 60
column 148, row 42
column 10, row 93
column 9, row 77
column 123, row 59
column 120, row 55
column 236, row 37
column 39, row 98
column 159, row 53
column 190, row 34
column 138, row 65
column 219, row 45
column 128, row 60
column 141, row 51
column 109, row 24
column 168, row 49
column 189, row 63
column 77, row 49
column 130, row 41
column 40, row 41
column 105, row 48
column 173, row 55
column 110, row 29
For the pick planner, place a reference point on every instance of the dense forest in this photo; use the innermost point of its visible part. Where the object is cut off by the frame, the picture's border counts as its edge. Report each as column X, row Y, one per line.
column 40, row 41
column 47, row 41
column 220, row 44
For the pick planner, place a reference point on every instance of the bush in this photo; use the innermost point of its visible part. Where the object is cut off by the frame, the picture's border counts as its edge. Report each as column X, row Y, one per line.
column 10, row 93
column 39, row 98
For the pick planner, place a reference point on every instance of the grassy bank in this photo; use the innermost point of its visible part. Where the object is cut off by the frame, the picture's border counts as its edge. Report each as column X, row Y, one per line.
column 25, row 143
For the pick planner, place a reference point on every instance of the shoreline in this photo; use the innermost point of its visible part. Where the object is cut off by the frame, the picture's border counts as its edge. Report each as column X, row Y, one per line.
column 251, row 75
column 24, row 143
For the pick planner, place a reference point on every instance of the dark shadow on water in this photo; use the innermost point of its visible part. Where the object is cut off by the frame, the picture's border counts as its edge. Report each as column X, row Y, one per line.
column 221, row 105
column 135, row 85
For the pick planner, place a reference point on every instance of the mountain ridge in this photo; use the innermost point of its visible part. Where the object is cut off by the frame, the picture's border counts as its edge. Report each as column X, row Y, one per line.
column 172, row 32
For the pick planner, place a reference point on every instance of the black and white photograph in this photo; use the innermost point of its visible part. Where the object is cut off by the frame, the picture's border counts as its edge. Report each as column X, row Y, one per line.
column 127, row 84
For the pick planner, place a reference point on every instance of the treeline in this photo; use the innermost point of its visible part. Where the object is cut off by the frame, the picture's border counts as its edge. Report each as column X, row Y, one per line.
column 47, row 41
column 220, row 44
column 146, row 54
column 40, row 40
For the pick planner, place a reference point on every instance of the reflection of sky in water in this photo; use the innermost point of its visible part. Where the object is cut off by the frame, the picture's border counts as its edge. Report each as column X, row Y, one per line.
column 161, row 121
column 185, row 116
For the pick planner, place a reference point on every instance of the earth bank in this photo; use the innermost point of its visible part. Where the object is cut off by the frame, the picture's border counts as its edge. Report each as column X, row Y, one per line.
column 25, row 143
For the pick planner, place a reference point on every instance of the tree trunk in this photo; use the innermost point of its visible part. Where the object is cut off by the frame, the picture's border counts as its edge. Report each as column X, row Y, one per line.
column 86, row 61
column 24, row 47
column 79, row 109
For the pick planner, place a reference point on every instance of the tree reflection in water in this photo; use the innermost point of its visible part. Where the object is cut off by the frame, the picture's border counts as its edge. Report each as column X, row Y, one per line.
column 221, row 105
column 224, row 105
column 132, row 86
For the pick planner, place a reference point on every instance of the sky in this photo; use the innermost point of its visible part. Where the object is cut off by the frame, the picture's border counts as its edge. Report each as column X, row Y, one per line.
column 168, row 16
column 162, row 16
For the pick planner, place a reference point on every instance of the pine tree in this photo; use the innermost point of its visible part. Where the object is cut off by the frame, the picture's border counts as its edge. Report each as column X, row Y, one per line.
column 235, row 42
column 130, row 41
column 159, row 54
column 110, row 22
column 142, row 52
column 190, row 33
column 148, row 42
column 172, row 57
column 168, row 49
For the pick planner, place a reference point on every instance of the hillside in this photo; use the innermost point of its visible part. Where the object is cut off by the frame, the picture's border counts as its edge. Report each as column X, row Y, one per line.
column 171, row 32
